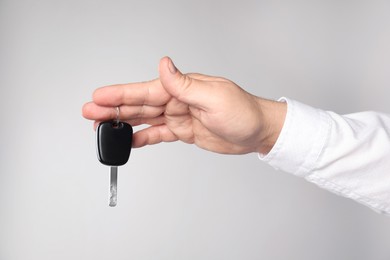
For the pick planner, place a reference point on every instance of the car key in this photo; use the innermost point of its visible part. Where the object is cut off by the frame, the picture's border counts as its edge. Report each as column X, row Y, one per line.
column 114, row 139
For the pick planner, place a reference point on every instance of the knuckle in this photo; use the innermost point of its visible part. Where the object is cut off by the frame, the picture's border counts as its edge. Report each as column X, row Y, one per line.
column 185, row 86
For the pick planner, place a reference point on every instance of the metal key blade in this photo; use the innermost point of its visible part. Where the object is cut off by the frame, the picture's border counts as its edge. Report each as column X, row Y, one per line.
column 113, row 185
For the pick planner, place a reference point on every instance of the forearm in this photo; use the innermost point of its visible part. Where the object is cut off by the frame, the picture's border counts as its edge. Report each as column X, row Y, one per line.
column 348, row 155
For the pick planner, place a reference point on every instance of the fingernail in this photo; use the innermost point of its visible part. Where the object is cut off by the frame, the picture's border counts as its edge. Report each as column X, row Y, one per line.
column 171, row 66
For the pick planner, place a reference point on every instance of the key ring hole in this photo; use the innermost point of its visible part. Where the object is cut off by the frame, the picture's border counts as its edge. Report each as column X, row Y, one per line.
column 117, row 125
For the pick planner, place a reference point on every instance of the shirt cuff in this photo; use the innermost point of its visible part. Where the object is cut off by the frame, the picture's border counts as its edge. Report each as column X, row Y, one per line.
column 301, row 140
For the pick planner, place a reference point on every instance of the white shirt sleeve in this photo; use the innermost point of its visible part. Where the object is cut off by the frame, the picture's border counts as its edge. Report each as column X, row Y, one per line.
column 346, row 154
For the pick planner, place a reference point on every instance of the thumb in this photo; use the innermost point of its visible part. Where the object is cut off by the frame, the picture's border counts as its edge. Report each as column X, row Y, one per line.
column 184, row 88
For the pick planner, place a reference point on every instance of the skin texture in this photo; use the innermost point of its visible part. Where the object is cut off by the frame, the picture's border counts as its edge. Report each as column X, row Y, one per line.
column 211, row 112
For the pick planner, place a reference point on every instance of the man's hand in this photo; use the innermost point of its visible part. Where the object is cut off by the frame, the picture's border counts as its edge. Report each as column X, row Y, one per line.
column 211, row 112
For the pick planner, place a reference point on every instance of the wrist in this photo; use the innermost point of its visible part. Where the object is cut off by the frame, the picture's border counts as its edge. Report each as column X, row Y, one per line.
column 273, row 114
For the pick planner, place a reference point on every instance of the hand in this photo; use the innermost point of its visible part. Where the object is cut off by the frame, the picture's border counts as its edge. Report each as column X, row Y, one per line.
column 211, row 112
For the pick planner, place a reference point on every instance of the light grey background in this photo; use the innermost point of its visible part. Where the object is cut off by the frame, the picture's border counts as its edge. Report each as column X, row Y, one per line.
column 177, row 201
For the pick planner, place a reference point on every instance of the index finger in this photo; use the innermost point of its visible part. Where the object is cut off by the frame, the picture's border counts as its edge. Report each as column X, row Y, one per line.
column 149, row 93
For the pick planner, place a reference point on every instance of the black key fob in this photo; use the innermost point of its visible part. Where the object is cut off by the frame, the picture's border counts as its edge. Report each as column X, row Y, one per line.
column 114, row 141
